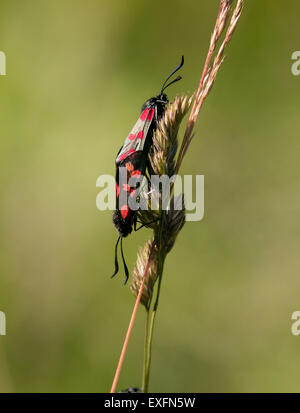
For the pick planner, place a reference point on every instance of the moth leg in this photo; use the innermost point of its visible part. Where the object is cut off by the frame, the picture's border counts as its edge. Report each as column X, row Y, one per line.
column 134, row 223
column 144, row 225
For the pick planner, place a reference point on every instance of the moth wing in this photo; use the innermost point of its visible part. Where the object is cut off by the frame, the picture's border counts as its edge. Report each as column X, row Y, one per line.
column 136, row 139
column 134, row 165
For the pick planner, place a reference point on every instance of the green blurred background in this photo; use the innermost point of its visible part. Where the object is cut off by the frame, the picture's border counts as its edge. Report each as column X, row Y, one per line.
column 77, row 74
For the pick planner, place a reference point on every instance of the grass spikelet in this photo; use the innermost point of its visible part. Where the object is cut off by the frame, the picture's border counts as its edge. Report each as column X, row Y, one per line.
column 165, row 139
column 174, row 222
column 139, row 270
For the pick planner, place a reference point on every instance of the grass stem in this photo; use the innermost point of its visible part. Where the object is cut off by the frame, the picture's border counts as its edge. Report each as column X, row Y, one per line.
column 131, row 323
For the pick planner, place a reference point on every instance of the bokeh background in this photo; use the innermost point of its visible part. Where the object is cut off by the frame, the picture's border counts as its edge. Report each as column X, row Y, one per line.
column 77, row 75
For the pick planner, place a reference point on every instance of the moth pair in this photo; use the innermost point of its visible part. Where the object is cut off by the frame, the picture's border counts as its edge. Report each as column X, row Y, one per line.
column 133, row 156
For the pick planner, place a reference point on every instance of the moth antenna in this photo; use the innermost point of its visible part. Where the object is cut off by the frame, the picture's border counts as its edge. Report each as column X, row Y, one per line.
column 173, row 81
column 174, row 71
column 116, row 257
column 124, row 263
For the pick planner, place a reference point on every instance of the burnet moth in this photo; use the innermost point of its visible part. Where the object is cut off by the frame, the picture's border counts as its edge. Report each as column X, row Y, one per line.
column 133, row 156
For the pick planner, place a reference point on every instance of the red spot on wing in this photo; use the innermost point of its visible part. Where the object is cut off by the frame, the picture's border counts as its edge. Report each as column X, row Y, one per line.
column 117, row 189
column 129, row 166
column 124, row 211
column 134, row 154
column 136, row 173
column 123, row 156
column 126, row 187
column 144, row 115
column 132, row 192
column 140, row 135
column 131, row 137
column 150, row 115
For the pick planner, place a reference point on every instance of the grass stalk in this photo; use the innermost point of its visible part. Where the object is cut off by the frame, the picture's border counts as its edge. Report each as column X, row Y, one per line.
column 149, row 335
column 145, row 361
column 163, row 161
column 131, row 323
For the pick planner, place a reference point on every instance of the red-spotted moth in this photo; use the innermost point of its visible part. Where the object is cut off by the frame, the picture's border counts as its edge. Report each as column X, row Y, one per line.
column 133, row 156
